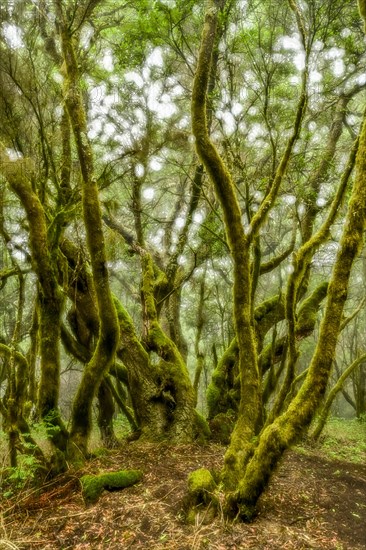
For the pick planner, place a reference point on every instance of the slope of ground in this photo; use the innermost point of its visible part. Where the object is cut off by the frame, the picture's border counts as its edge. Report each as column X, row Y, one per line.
column 312, row 502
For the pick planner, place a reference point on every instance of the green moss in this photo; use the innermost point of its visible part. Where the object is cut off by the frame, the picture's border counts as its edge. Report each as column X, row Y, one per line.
column 266, row 307
column 93, row 486
column 212, row 396
column 308, row 311
column 201, row 496
column 100, row 452
column 222, row 426
column 201, row 428
column 267, row 314
column 223, row 381
column 200, row 485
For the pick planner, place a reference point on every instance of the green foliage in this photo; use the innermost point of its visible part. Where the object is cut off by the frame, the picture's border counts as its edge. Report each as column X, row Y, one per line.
column 24, row 474
column 149, row 24
column 49, row 424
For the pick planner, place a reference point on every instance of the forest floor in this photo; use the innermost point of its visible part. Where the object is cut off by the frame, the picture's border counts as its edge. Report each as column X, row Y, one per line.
column 313, row 501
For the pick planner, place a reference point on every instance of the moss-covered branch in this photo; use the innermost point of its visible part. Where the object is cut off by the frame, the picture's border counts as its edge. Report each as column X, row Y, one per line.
column 267, row 267
column 289, row 426
column 306, row 319
column 94, row 485
column 332, row 395
column 301, row 262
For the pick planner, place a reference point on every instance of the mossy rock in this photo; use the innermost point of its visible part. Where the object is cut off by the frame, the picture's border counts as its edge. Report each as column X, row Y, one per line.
column 200, row 484
column 201, row 498
column 93, row 486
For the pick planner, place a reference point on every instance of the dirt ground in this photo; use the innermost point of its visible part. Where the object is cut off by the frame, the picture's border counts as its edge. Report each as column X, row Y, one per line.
column 310, row 503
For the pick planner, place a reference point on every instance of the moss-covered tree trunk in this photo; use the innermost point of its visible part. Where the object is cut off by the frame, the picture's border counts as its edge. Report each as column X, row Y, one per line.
column 143, row 381
column 161, row 392
column 106, row 345
column 176, row 391
column 288, row 427
column 21, row 175
column 240, row 241
column 150, row 387
column 248, row 463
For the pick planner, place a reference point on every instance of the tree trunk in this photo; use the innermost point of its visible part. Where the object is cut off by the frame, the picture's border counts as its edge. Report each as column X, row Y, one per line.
column 249, row 463
column 20, row 175
column 106, row 345
column 106, row 410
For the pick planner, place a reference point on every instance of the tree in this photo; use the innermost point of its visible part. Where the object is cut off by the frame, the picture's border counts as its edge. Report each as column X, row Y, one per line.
column 97, row 323
column 164, row 260
column 250, row 460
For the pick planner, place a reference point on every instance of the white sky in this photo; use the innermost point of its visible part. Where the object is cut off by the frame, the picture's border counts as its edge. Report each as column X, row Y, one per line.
column 12, row 35
column 162, row 102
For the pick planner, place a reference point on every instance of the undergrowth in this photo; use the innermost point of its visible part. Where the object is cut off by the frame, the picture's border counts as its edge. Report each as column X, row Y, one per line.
column 345, row 440
column 340, row 440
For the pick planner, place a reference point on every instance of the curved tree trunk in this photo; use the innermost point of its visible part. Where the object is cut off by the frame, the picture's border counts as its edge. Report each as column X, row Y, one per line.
column 239, row 243
column 20, row 175
column 104, row 353
column 249, row 464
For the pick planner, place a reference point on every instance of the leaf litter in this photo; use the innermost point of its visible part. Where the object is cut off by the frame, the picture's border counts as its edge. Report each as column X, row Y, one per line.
column 311, row 502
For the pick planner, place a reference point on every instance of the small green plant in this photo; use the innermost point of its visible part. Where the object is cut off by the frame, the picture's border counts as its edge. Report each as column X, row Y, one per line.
column 50, row 423
column 17, row 478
